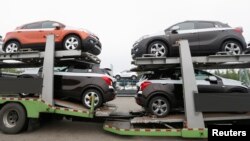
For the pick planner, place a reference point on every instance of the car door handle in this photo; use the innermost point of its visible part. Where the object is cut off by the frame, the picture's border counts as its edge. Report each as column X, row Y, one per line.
column 19, row 31
column 40, row 31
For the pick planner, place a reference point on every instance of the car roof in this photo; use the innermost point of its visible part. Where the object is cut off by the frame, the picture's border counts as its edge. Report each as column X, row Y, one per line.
column 38, row 22
column 201, row 21
column 217, row 22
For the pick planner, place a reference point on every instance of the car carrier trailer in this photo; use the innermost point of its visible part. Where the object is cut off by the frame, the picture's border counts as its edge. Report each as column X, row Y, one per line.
column 192, row 124
column 16, row 111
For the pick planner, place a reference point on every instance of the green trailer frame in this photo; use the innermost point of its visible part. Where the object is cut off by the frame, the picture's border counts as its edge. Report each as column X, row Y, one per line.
column 184, row 132
column 35, row 106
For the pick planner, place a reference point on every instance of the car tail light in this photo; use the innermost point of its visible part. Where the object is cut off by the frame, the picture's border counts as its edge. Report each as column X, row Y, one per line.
column 144, row 85
column 107, row 80
column 239, row 30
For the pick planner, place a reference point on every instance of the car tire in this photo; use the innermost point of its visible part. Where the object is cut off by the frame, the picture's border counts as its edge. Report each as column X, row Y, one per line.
column 72, row 42
column 118, row 77
column 232, row 47
column 158, row 48
column 13, row 118
column 133, row 77
column 86, row 98
column 12, row 47
column 159, row 106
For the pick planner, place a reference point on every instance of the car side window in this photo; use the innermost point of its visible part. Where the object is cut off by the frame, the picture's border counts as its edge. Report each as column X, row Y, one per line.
column 61, row 69
column 199, row 75
column 48, row 24
column 186, row 26
column 33, row 26
column 202, row 25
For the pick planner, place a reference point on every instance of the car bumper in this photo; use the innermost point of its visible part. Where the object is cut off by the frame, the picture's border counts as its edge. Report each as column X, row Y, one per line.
column 92, row 45
column 140, row 99
column 139, row 48
column 137, row 52
column 109, row 95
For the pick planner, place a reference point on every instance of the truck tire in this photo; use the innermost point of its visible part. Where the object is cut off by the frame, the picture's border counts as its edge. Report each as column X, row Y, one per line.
column 13, row 118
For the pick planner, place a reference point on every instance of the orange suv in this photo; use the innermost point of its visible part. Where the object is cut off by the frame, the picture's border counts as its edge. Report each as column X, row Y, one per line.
column 33, row 35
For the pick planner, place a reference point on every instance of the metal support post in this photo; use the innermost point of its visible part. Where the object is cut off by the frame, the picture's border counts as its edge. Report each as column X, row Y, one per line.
column 48, row 71
column 194, row 119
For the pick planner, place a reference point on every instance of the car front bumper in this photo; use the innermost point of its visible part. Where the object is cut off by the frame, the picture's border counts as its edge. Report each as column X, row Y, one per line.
column 92, row 45
column 139, row 48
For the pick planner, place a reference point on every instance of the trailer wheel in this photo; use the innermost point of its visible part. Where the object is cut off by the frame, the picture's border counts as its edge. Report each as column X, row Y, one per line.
column 13, row 118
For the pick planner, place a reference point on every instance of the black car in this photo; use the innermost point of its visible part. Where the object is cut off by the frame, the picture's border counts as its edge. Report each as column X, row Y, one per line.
column 205, row 38
column 162, row 92
column 79, row 81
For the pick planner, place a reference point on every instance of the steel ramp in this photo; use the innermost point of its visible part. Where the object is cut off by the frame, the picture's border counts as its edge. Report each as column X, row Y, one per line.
column 179, row 118
column 104, row 111
column 124, row 127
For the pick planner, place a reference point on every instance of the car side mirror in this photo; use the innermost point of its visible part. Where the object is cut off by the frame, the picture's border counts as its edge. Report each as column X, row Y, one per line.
column 175, row 29
column 211, row 78
column 56, row 26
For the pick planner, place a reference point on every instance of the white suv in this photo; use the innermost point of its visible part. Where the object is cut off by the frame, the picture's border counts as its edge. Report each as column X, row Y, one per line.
column 126, row 74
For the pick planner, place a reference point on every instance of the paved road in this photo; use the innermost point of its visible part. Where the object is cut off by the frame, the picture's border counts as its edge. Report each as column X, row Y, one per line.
column 81, row 131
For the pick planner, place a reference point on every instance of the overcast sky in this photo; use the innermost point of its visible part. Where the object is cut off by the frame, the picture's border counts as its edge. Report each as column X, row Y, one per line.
column 119, row 23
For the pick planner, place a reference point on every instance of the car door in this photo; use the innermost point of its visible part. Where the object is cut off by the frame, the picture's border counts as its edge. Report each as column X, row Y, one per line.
column 31, row 34
column 48, row 28
column 206, row 85
column 186, row 31
column 208, row 33
column 124, row 73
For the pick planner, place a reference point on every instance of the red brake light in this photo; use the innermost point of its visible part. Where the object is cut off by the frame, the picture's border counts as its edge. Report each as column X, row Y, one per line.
column 239, row 30
column 107, row 80
column 144, row 85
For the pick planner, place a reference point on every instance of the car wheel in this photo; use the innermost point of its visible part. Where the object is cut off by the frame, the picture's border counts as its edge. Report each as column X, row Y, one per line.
column 157, row 48
column 133, row 77
column 159, row 106
column 13, row 118
column 11, row 47
column 86, row 98
column 72, row 42
column 118, row 77
column 232, row 47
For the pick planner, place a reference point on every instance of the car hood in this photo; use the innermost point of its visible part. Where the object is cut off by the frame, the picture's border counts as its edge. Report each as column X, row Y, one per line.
column 159, row 33
column 232, row 82
column 80, row 29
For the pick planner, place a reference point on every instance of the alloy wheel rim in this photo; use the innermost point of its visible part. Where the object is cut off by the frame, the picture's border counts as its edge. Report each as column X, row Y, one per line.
column 88, row 97
column 10, row 118
column 159, row 107
column 233, row 48
column 13, row 47
column 158, row 50
column 71, row 43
